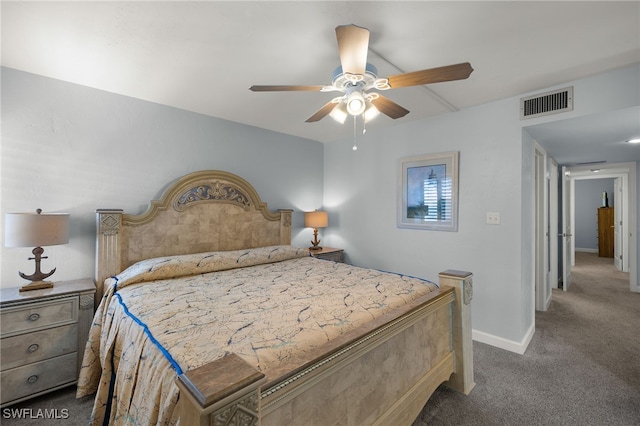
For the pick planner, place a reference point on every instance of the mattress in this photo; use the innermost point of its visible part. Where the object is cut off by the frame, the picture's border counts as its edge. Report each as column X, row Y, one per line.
column 273, row 306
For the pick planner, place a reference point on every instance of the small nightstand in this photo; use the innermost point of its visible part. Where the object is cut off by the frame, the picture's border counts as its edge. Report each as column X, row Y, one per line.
column 43, row 334
column 328, row 253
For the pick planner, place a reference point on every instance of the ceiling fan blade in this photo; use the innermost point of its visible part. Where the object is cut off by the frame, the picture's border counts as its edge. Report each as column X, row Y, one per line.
column 285, row 88
column 353, row 46
column 388, row 107
column 322, row 112
column 433, row 75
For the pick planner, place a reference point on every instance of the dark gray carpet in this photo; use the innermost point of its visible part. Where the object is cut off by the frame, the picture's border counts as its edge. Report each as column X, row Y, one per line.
column 56, row 408
column 582, row 366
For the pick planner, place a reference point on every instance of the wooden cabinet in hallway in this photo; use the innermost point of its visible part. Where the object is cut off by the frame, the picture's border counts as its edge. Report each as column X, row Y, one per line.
column 605, row 232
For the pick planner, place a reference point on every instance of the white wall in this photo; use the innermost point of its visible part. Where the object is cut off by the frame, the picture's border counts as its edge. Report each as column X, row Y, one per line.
column 71, row 148
column 496, row 157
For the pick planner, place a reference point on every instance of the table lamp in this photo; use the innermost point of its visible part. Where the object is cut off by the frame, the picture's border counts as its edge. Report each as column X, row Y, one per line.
column 315, row 220
column 36, row 229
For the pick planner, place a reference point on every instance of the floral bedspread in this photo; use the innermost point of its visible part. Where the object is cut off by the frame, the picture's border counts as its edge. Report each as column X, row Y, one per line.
column 165, row 316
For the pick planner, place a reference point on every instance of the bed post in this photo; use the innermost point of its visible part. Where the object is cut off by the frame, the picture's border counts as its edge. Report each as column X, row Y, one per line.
column 223, row 392
column 108, row 224
column 462, row 379
column 285, row 226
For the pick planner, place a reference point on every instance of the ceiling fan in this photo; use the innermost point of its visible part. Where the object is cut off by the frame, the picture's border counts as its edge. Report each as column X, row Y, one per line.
column 359, row 82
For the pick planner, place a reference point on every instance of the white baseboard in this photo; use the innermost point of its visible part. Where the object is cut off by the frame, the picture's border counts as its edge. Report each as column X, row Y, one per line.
column 587, row 250
column 499, row 342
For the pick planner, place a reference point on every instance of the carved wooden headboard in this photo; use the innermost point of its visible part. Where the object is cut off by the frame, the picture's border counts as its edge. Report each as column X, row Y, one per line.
column 203, row 211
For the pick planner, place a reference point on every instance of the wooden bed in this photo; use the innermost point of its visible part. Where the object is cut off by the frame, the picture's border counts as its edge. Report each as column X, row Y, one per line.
column 382, row 373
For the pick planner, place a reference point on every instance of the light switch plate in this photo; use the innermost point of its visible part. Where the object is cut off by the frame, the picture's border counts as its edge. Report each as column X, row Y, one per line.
column 493, row 218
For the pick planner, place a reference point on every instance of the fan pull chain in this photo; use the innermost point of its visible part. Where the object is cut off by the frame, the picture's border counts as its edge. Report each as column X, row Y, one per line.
column 355, row 146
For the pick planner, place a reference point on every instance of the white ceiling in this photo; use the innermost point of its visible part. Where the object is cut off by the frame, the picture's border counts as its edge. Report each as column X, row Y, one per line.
column 203, row 56
column 601, row 137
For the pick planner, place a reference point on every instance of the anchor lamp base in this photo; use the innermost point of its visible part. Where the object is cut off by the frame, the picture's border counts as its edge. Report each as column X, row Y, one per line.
column 37, row 285
column 315, row 243
column 37, row 277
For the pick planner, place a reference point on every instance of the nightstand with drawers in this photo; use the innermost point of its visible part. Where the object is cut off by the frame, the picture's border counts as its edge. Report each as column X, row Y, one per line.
column 43, row 334
column 328, row 253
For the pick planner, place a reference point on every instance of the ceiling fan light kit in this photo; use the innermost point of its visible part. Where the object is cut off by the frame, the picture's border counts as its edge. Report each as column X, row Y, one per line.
column 358, row 81
column 370, row 113
column 355, row 102
column 339, row 112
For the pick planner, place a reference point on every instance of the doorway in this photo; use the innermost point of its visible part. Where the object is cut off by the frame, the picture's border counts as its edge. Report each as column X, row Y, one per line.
column 545, row 265
column 591, row 196
column 625, row 176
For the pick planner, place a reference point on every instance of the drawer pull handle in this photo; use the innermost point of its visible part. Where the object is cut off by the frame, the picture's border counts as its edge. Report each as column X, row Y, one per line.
column 32, row 379
column 33, row 348
column 34, row 317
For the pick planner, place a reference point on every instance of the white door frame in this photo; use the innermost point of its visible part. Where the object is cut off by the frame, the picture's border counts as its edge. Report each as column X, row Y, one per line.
column 542, row 287
column 568, row 225
column 552, row 176
column 627, row 172
column 618, row 204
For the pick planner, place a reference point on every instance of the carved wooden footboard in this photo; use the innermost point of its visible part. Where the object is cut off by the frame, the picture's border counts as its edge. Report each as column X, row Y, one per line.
column 382, row 375
column 382, row 378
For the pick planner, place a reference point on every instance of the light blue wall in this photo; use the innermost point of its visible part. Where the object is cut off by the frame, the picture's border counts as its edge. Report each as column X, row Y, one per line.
column 588, row 199
column 361, row 193
column 495, row 176
column 71, row 148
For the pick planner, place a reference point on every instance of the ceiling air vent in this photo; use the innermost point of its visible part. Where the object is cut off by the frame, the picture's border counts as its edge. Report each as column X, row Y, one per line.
column 547, row 103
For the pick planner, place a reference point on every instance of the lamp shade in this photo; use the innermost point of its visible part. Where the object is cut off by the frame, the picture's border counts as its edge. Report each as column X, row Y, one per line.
column 316, row 219
column 36, row 229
